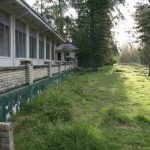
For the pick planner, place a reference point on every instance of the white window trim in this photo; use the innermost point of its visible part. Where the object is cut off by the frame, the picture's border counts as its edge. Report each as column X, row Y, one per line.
column 44, row 47
column 37, row 45
column 27, row 42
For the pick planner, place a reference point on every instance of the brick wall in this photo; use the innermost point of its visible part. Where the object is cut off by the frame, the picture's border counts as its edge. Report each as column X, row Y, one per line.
column 55, row 69
column 12, row 77
column 67, row 66
column 63, row 67
column 40, row 72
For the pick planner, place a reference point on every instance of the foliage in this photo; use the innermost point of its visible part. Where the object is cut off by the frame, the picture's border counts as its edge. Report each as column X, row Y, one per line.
column 92, row 33
column 54, row 13
column 129, row 55
column 143, row 28
column 106, row 110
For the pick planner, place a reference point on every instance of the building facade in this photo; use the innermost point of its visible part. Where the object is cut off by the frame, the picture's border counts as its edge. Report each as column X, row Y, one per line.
column 25, row 35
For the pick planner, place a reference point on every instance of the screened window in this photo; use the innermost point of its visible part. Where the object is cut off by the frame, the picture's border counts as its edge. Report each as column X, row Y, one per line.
column 59, row 56
column 20, row 38
column 41, row 47
column 53, row 51
column 48, row 49
column 4, row 34
column 33, row 53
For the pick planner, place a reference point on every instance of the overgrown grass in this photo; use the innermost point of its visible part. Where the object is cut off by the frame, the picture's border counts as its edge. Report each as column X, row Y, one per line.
column 107, row 110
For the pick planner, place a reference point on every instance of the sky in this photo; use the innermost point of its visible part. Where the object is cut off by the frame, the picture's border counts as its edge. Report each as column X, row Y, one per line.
column 123, row 31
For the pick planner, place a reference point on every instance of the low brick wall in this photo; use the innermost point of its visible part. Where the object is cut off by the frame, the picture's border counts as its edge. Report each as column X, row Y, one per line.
column 55, row 69
column 67, row 66
column 40, row 72
column 12, row 77
column 63, row 67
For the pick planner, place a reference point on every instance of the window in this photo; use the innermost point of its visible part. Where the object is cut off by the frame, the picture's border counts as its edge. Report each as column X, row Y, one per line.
column 41, row 47
column 53, row 51
column 47, row 49
column 66, row 56
column 33, row 53
column 4, row 34
column 20, row 38
column 59, row 56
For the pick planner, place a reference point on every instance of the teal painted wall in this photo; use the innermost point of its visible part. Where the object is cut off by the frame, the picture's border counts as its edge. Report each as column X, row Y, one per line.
column 11, row 102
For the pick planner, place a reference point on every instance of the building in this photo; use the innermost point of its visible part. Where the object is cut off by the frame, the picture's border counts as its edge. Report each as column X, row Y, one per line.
column 25, row 35
column 32, row 56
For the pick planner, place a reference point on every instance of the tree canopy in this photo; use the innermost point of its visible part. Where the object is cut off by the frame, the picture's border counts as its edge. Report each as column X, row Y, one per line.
column 90, row 31
column 143, row 28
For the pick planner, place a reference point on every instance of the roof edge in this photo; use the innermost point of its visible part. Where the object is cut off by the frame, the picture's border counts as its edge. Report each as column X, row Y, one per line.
column 24, row 4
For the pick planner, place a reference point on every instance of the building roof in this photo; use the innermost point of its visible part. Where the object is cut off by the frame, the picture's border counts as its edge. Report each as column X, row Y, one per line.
column 21, row 10
column 66, row 47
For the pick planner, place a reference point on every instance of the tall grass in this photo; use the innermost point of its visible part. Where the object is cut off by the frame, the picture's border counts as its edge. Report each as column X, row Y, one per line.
column 107, row 110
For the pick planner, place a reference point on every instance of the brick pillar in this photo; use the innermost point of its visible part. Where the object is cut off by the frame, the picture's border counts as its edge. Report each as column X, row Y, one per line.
column 65, row 66
column 29, row 71
column 59, row 67
column 6, row 136
column 76, row 61
column 49, row 68
column 69, row 65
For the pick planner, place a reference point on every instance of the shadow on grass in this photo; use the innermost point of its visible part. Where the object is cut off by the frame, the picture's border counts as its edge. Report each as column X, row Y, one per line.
column 118, row 124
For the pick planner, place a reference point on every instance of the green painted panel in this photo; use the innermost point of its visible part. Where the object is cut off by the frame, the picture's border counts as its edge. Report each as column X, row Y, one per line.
column 11, row 102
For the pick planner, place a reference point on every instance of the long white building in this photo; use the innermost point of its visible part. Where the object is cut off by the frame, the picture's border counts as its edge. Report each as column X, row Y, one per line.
column 25, row 35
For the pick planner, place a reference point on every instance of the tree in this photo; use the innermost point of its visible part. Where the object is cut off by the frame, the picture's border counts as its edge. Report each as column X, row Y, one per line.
column 54, row 12
column 92, row 33
column 143, row 28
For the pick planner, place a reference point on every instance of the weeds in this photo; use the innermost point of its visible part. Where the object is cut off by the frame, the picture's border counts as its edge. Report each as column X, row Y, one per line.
column 89, row 111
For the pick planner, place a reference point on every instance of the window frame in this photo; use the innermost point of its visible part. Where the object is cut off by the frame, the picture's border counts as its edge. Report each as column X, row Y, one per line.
column 53, row 51
column 41, row 40
column 49, row 52
column 6, row 23
column 24, row 35
column 33, row 41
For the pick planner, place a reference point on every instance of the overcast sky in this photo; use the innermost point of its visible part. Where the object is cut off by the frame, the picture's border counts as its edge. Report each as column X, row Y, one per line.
column 121, row 30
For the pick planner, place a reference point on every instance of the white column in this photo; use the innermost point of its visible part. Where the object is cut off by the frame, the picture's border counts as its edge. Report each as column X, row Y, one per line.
column 37, row 45
column 62, row 56
column 27, row 42
column 44, row 47
column 12, row 39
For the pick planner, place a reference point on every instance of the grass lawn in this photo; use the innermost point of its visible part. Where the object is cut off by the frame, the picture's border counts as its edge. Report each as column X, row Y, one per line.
column 107, row 110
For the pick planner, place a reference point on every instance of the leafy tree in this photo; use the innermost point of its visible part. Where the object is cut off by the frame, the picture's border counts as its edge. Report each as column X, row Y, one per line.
column 143, row 28
column 54, row 12
column 92, row 33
